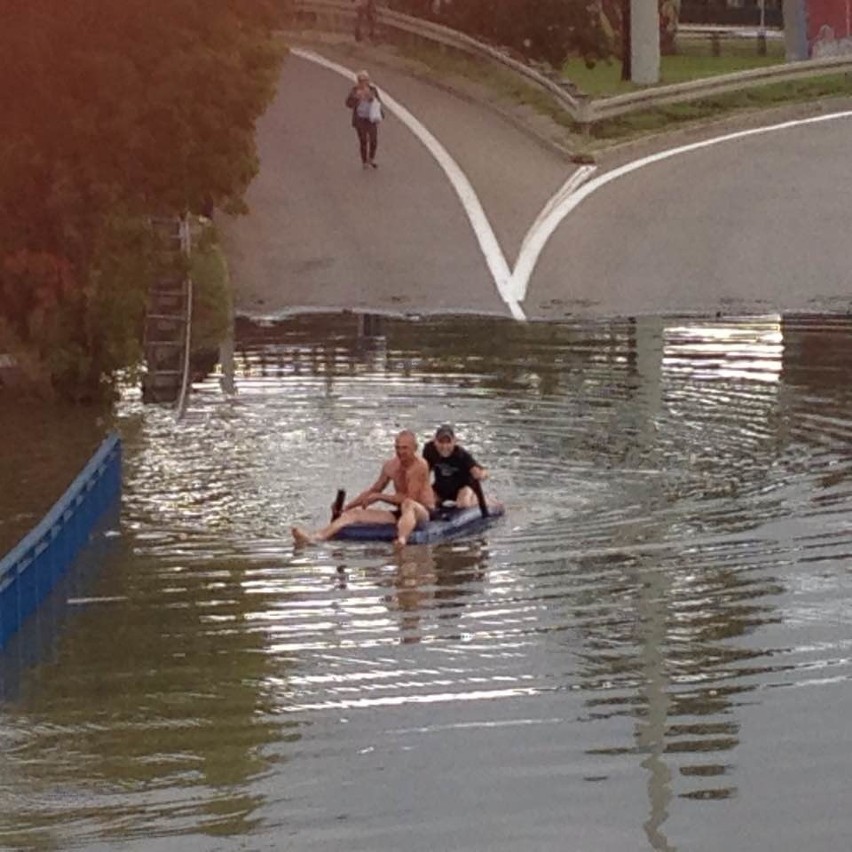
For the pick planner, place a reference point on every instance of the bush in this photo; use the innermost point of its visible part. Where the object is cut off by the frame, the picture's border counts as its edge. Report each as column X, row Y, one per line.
column 114, row 112
column 545, row 30
column 211, row 303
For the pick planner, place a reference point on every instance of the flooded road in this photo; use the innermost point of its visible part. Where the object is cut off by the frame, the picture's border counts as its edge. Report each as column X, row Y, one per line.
column 651, row 651
column 44, row 446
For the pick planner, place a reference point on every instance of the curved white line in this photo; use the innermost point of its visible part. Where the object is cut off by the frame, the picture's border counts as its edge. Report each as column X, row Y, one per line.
column 470, row 201
column 547, row 224
column 532, row 245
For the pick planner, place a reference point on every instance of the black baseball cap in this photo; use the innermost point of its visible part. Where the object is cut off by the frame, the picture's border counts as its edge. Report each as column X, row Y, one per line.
column 445, row 431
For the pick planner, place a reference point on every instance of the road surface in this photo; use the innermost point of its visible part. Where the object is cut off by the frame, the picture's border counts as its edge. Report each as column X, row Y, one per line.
column 468, row 213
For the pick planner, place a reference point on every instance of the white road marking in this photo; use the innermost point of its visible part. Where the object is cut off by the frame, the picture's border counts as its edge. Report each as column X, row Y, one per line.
column 512, row 284
column 548, row 222
column 539, row 232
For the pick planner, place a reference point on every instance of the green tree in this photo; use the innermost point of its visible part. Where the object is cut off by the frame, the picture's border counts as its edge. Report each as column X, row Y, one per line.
column 114, row 112
column 545, row 30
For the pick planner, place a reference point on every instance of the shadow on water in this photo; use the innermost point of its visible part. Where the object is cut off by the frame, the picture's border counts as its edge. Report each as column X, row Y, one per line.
column 621, row 651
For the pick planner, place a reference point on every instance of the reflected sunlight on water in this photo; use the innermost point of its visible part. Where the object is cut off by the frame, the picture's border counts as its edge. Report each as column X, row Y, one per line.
column 663, row 607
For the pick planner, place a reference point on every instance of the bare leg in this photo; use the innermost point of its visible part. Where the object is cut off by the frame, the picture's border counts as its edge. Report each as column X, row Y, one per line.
column 373, row 142
column 353, row 516
column 362, row 129
column 300, row 537
column 412, row 513
column 466, row 498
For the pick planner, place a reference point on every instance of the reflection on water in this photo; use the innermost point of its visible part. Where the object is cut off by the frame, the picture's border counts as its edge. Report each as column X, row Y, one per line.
column 44, row 446
column 619, row 658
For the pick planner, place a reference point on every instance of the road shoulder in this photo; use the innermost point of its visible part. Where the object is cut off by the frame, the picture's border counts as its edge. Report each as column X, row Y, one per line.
column 543, row 128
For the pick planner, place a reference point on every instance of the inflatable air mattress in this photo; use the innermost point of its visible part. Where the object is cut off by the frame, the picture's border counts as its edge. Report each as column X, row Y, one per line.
column 452, row 524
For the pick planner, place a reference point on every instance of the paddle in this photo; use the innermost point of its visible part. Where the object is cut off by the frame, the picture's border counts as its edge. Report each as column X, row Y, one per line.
column 337, row 506
column 476, row 485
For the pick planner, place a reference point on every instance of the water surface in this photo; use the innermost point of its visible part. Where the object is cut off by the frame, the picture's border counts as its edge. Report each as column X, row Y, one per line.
column 44, row 446
column 651, row 651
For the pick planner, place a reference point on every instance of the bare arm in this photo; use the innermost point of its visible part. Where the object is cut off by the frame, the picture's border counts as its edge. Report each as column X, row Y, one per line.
column 392, row 475
column 479, row 473
column 371, row 494
column 418, row 485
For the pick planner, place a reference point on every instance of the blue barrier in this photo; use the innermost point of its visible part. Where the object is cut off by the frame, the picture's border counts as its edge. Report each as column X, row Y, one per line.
column 30, row 570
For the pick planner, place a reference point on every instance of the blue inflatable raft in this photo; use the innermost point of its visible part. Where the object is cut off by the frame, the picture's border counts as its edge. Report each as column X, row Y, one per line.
column 452, row 524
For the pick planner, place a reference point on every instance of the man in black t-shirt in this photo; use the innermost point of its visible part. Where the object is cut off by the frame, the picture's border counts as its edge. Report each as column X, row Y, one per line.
column 453, row 468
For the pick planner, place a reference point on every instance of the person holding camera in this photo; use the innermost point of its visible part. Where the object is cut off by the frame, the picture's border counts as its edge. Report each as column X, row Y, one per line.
column 366, row 106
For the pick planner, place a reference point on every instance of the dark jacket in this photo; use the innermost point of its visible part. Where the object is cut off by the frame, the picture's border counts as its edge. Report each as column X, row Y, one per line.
column 352, row 101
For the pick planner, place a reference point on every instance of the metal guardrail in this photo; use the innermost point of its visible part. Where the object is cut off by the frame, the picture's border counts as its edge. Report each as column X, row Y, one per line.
column 729, row 31
column 336, row 15
column 31, row 569
column 342, row 17
column 707, row 87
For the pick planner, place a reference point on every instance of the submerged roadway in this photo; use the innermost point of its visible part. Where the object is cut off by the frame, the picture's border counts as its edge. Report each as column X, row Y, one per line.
column 469, row 213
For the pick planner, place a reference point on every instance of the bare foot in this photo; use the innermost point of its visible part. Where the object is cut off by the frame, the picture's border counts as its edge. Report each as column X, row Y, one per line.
column 300, row 537
column 399, row 543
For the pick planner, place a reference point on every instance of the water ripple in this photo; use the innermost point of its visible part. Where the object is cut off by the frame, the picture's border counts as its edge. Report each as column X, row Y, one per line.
column 669, row 578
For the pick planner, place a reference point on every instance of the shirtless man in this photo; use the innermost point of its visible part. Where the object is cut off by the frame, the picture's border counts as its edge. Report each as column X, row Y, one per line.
column 413, row 497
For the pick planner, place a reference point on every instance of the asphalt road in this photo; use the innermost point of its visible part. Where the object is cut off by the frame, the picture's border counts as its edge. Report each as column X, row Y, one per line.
column 756, row 224
column 753, row 224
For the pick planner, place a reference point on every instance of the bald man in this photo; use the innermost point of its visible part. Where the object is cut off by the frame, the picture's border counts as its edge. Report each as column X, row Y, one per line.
column 412, row 498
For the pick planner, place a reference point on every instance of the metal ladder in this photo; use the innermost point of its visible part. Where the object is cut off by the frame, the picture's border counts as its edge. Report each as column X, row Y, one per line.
column 168, row 327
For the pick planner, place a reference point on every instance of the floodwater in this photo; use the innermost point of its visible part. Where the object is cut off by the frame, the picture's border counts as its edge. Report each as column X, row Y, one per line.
column 651, row 651
column 43, row 446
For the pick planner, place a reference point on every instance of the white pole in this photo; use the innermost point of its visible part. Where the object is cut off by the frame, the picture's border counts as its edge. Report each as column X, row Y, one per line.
column 644, row 42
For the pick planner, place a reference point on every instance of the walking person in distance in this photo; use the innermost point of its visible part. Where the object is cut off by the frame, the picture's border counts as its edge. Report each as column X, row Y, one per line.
column 366, row 106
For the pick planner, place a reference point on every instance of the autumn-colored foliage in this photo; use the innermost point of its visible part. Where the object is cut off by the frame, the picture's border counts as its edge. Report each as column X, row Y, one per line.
column 114, row 112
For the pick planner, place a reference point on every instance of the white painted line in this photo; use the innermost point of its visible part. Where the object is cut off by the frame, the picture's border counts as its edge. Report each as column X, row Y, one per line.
column 470, row 201
column 539, row 232
column 547, row 223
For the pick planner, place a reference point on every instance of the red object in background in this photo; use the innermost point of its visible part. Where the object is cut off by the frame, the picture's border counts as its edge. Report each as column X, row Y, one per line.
column 829, row 22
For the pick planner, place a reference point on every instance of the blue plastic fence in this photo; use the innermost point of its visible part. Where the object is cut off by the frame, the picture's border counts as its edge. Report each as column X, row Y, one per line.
column 30, row 570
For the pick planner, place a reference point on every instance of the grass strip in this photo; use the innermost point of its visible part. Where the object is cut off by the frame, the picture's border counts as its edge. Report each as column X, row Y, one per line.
column 667, row 117
column 693, row 61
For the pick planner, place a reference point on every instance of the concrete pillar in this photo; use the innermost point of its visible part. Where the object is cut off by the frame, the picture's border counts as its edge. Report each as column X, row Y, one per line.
column 645, row 42
column 795, row 30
